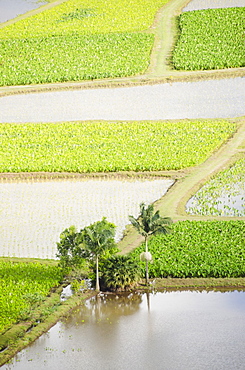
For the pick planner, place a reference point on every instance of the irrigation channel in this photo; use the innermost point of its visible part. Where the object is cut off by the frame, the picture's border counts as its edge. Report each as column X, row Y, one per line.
column 170, row 330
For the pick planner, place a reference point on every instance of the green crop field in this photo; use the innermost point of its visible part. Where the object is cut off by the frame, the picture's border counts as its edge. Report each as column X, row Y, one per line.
column 198, row 249
column 211, row 39
column 86, row 17
column 79, row 40
column 21, row 284
column 72, row 58
column 100, row 146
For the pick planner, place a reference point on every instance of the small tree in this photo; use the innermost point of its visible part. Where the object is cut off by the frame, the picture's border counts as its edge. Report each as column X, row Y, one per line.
column 69, row 252
column 96, row 239
column 150, row 223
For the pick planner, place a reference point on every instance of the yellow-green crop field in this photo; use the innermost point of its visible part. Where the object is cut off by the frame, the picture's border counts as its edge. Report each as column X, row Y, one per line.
column 100, row 146
column 79, row 40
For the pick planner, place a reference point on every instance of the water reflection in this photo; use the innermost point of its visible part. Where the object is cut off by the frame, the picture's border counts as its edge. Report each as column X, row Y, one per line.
column 104, row 309
column 12, row 8
column 181, row 330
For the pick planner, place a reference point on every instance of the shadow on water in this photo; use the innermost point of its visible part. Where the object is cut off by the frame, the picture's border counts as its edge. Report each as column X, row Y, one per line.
column 10, row 9
column 168, row 330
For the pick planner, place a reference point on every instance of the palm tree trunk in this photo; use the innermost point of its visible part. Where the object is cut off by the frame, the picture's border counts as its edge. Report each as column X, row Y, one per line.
column 146, row 264
column 97, row 286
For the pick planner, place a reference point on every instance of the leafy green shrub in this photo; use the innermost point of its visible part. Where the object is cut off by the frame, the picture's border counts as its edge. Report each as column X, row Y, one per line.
column 119, row 272
column 198, row 249
column 210, row 39
column 71, row 58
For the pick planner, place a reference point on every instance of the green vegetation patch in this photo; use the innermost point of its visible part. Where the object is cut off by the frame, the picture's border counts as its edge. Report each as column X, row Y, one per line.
column 198, row 249
column 79, row 40
column 86, row 17
column 72, row 58
column 100, row 146
column 211, row 39
column 23, row 285
column 220, row 195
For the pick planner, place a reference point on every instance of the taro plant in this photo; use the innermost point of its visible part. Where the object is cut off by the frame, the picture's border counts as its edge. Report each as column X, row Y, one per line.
column 150, row 223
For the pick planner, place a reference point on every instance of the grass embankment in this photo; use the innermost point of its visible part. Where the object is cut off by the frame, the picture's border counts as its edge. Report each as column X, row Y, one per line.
column 30, row 302
column 85, row 147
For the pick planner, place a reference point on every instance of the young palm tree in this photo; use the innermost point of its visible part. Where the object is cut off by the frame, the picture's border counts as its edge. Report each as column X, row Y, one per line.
column 96, row 239
column 120, row 272
column 150, row 223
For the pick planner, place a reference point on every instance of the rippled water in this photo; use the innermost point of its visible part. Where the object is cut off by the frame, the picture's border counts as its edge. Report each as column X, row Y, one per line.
column 165, row 331
column 11, row 8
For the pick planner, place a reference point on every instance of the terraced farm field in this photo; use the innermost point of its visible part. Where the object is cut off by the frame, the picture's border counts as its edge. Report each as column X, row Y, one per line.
column 186, row 152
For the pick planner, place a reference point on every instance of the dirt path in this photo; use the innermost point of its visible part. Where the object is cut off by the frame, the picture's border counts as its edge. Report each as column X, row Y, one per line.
column 173, row 203
column 159, row 70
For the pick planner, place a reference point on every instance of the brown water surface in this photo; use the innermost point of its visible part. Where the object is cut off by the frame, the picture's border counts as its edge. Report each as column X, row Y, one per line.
column 166, row 331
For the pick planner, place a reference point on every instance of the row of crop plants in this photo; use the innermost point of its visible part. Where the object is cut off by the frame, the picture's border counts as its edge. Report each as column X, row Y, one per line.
column 197, row 249
column 83, row 40
column 210, row 39
column 77, row 40
column 100, row 146
column 21, row 286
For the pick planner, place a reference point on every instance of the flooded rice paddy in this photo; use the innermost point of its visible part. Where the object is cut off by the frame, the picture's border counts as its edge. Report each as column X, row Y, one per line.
column 225, row 202
column 10, row 9
column 166, row 331
column 212, row 4
column 201, row 99
column 33, row 214
column 223, row 195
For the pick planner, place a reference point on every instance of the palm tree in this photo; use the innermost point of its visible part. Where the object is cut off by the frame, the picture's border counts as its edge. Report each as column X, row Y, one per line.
column 150, row 223
column 120, row 272
column 96, row 239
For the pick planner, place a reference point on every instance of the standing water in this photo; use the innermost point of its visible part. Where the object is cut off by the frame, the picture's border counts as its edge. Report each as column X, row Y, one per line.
column 12, row 8
column 166, row 331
